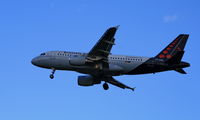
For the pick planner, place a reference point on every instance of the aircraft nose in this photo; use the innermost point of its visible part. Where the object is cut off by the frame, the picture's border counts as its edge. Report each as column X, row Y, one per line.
column 34, row 61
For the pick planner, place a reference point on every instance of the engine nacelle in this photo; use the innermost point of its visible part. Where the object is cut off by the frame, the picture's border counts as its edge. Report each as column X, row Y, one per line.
column 87, row 81
column 77, row 60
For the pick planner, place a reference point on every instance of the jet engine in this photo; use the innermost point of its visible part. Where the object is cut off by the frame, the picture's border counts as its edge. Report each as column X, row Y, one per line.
column 77, row 60
column 88, row 80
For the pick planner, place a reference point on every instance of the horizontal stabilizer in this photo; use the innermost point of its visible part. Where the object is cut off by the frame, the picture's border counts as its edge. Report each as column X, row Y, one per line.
column 180, row 70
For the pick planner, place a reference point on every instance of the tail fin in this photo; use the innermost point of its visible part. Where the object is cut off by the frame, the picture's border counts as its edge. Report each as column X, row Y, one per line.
column 176, row 59
column 173, row 53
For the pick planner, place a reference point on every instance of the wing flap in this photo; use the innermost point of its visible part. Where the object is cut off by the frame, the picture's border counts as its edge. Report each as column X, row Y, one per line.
column 114, row 82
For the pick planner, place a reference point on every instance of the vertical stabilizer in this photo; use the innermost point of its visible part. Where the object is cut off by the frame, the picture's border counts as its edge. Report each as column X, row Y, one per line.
column 174, row 50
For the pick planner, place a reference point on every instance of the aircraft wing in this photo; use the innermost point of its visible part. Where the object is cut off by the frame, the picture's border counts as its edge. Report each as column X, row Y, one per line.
column 103, row 47
column 112, row 81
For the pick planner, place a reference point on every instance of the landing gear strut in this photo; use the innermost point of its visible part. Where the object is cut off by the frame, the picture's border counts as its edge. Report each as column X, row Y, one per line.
column 105, row 86
column 52, row 73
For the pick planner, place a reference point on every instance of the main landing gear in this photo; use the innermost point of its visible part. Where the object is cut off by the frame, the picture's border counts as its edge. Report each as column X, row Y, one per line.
column 105, row 86
column 52, row 73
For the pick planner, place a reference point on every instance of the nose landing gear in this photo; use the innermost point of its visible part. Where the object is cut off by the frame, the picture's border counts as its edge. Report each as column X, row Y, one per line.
column 52, row 73
column 51, row 76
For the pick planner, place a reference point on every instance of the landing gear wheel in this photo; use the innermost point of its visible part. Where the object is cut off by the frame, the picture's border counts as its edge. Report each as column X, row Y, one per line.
column 105, row 86
column 52, row 73
column 51, row 76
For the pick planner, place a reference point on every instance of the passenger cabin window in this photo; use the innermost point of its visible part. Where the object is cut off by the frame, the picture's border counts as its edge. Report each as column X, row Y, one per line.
column 42, row 54
column 75, row 55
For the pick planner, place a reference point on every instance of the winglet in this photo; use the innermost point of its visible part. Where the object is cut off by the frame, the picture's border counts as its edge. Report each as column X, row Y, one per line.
column 117, row 26
column 133, row 89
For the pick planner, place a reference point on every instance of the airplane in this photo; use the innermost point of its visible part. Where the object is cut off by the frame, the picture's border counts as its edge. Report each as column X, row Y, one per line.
column 100, row 65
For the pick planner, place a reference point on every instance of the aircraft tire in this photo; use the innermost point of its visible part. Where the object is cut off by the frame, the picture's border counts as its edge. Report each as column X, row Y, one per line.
column 51, row 76
column 105, row 86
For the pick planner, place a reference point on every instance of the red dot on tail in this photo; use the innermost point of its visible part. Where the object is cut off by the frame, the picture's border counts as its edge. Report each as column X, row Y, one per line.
column 165, row 51
column 168, row 48
column 179, row 49
column 161, row 56
column 169, row 56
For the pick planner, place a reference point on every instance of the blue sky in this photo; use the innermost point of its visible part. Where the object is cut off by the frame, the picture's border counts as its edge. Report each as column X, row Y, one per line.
column 30, row 27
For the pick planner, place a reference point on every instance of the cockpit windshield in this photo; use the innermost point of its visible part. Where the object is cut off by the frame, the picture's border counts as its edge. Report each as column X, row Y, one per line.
column 42, row 54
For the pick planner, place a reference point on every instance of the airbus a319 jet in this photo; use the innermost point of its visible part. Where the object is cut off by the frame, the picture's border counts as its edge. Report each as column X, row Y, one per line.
column 100, row 65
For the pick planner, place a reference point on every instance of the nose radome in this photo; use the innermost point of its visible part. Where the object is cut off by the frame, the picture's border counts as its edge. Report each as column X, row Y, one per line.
column 34, row 61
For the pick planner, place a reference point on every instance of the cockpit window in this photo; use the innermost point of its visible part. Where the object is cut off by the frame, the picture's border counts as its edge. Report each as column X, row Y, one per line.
column 42, row 54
